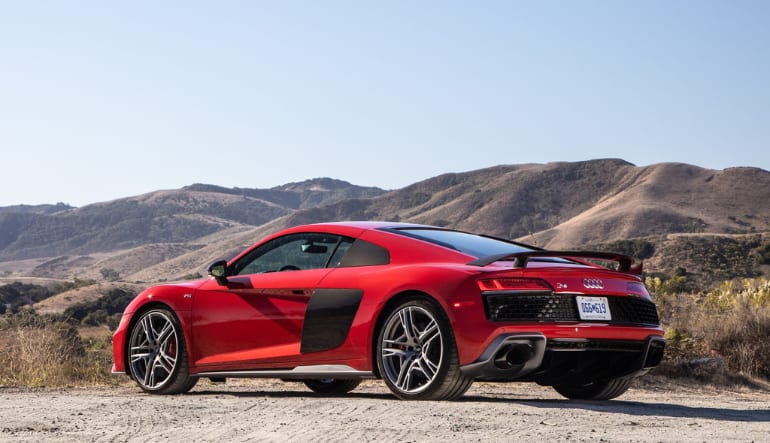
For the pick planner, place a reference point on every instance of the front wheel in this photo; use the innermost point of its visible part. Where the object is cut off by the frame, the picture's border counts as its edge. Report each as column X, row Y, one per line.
column 157, row 354
column 417, row 354
column 597, row 390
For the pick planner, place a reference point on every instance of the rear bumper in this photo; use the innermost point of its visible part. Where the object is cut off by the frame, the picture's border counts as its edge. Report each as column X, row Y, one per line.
column 533, row 357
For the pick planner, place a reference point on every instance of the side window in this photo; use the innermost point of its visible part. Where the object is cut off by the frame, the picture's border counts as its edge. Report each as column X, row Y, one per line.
column 290, row 253
column 363, row 253
column 342, row 249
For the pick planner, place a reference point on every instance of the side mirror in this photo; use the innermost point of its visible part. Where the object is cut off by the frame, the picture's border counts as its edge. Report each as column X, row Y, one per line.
column 218, row 270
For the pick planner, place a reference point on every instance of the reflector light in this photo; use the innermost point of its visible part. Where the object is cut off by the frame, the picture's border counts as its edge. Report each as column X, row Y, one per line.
column 517, row 284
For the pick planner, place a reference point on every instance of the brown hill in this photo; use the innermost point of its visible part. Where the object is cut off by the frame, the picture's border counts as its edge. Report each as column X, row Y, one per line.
column 173, row 234
column 175, row 216
column 560, row 205
column 670, row 198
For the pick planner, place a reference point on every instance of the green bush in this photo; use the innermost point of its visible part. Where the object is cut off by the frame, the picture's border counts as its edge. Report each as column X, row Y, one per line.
column 106, row 310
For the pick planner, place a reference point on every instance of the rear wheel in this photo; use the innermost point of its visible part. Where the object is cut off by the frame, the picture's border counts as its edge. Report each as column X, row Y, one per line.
column 597, row 390
column 157, row 354
column 332, row 386
column 417, row 355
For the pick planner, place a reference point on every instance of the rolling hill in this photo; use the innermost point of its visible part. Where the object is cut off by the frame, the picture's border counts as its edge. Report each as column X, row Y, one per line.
column 677, row 209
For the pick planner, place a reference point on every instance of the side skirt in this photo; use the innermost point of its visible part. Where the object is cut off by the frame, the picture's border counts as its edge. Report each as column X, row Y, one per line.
column 298, row 373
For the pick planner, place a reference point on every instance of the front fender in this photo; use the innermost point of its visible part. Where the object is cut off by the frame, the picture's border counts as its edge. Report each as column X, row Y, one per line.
column 177, row 298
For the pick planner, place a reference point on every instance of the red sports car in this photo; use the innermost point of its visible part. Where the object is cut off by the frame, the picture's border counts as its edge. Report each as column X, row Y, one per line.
column 427, row 309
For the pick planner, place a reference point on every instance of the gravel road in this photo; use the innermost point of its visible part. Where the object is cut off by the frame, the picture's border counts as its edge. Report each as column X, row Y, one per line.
column 270, row 410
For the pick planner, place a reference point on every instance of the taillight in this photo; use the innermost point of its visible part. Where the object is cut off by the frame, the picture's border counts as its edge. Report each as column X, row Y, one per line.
column 513, row 284
column 637, row 288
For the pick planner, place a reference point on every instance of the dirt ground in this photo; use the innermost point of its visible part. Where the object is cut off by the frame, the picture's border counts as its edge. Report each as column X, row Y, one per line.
column 270, row 410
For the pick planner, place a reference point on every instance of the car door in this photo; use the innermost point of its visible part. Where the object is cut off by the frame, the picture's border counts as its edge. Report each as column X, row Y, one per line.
column 255, row 319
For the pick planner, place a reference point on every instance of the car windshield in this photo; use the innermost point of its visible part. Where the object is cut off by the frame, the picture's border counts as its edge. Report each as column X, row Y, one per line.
column 471, row 244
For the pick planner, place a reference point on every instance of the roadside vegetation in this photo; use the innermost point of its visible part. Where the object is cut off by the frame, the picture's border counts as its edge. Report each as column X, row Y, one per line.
column 712, row 334
column 47, row 351
column 68, row 349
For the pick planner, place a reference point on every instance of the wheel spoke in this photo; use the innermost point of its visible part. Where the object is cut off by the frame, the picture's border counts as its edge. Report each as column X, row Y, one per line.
column 394, row 352
column 407, row 322
column 394, row 348
column 427, row 367
column 148, row 331
column 429, row 333
column 139, row 356
column 166, row 332
column 405, row 374
column 149, row 375
column 166, row 362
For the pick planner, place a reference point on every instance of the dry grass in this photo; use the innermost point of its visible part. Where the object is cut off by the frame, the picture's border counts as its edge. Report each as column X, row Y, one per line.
column 730, row 324
column 38, row 352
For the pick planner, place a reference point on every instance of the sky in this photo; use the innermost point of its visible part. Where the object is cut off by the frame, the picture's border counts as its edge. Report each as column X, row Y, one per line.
column 104, row 100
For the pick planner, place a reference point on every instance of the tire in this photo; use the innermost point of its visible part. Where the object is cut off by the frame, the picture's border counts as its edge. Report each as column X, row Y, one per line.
column 157, row 354
column 598, row 390
column 417, row 354
column 331, row 386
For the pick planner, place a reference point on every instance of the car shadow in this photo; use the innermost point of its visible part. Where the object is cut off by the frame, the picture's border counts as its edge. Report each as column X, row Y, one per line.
column 632, row 408
column 292, row 394
column 636, row 408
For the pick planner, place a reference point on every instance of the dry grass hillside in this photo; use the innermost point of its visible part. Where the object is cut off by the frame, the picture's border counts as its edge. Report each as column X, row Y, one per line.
column 168, row 216
column 670, row 198
column 169, row 235
column 559, row 205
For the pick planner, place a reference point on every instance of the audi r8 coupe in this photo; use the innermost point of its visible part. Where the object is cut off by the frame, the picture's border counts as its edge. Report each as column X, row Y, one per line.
column 428, row 310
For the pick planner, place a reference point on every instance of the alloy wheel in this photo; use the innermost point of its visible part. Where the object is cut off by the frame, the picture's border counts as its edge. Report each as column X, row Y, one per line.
column 411, row 349
column 154, row 350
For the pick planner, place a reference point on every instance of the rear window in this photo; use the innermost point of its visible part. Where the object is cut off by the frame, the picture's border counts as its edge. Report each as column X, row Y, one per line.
column 471, row 244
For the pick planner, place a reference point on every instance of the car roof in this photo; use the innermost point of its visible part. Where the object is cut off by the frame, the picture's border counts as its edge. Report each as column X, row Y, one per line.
column 375, row 225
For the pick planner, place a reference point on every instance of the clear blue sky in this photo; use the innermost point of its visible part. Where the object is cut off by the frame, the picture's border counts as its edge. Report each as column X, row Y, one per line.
column 102, row 100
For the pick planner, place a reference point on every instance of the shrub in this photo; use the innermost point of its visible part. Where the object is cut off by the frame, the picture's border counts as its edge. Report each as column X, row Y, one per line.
column 106, row 310
column 44, row 351
column 110, row 274
column 731, row 322
column 741, row 337
column 667, row 286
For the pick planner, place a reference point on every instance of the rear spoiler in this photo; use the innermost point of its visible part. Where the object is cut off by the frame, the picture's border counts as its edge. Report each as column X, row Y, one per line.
column 520, row 259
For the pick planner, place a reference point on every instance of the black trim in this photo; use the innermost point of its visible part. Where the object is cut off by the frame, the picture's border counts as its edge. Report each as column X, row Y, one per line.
column 363, row 253
column 532, row 357
column 405, row 232
column 508, row 357
column 328, row 318
column 587, row 360
column 547, row 307
column 520, row 259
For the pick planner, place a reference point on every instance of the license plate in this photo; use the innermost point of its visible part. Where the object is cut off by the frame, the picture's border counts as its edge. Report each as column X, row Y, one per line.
column 593, row 308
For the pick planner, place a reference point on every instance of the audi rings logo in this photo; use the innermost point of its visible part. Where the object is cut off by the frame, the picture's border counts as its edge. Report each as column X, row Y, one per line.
column 593, row 283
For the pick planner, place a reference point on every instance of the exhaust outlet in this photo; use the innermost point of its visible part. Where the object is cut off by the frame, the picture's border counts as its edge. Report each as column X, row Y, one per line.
column 513, row 355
